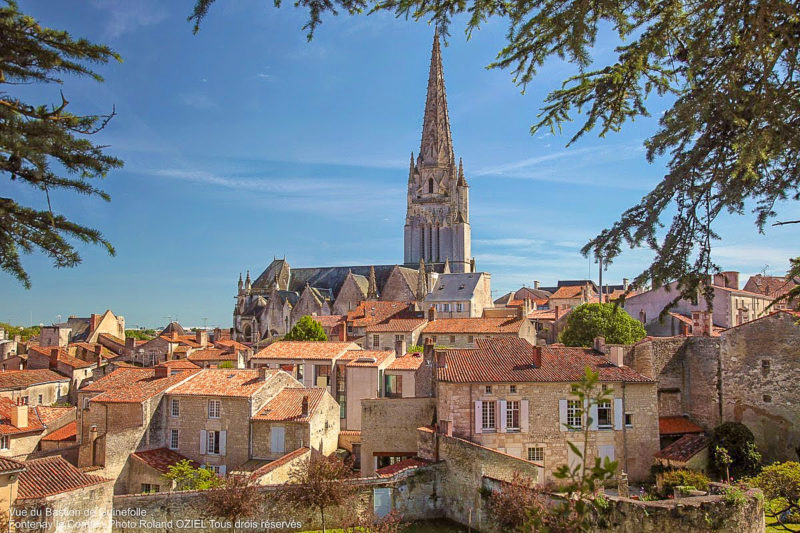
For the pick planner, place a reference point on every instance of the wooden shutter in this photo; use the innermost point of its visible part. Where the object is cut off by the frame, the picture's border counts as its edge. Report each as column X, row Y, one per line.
column 222, row 441
column 203, row 441
column 619, row 415
column 562, row 415
column 502, row 409
column 523, row 416
column 593, row 415
column 478, row 416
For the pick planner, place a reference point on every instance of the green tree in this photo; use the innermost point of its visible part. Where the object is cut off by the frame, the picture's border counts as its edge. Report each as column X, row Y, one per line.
column 46, row 147
column 24, row 332
column 780, row 483
column 588, row 321
column 188, row 477
column 306, row 329
column 729, row 69
column 734, row 450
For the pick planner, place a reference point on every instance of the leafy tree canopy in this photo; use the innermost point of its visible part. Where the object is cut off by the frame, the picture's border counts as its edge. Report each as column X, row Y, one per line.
column 733, row 444
column 45, row 146
column 731, row 136
column 24, row 332
column 140, row 334
column 187, row 477
column 588, row 321
column 781, row 485
column 306, row 329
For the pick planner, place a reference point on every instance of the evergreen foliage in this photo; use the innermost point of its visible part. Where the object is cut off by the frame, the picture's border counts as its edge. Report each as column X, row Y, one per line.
column 46, row 147
column 731, row 135
column 306, row 329
column 780, row 483
column 187, row 477
column 733, row 449
column 588, row 321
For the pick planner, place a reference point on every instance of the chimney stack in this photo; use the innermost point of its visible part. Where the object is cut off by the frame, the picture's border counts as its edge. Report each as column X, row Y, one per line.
column 537, row 356
column 174, row 335
column 162, row 371
column 262, row 372
column 400, row 347
column 557, row 314
column 432, row 313
column 54, row 357
column 19, row 414
column 536, row 284
column 702, row 323
column 130, row 343
column 304, row 406
column 599, row 344
column 625, row 282
column 616, row 355
column 201, row 336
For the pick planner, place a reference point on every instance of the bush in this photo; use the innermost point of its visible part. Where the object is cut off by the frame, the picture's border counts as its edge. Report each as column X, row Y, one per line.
column 780, row 483
column 306, row 329
column 739, row 443
column 588, row 321
column 682, row 478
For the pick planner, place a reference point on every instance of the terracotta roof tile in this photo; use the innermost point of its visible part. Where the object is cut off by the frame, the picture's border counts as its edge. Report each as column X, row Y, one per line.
column 272, row 465
column 772, row 286
column 570, row 291
column 411, row 361
column 675, row 425
column 52, row 475
column 133, row 385
column 63, row 356
column 68, row 432
column 474, row 325
column 49, row 415
column 212, row 354
column 287, row 405
column 228, row 343
column 10, row 465
column 404, row 325
column 350, row 432
column 305, row 350
column 684, row 448
column 329, row 321
column 161, row 459
column 369, row 358
column 223, row 382
column 179, row 364
column 510, row 359
column 21, row 379
column 372, row 312
column 6, row 428
column 400, row 466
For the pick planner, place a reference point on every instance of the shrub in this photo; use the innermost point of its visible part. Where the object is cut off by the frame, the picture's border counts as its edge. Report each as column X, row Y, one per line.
column 306, row 329
column 739, row 443
column 682, row 478
column 780, row 483
column 588, row 321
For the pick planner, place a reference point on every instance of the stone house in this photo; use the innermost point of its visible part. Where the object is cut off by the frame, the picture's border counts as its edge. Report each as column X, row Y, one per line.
column 549, row 323
column 461, row 295
column 463, row 332
column 690, row 451
column 77, row 329
column 167, row 346
column 384, row 335
column 372, row 313
column 213, row 357
column 773, row 287
column 9, row 482
column 295, row 418
column 311, row 363
column 60, row 439
column 364, row 378
column 34, row 387
column 408, row 376
column 147, row 469
column 58, row 359
column 20, row 429
column 516, row 398
column 569, row 296
column 334, row 326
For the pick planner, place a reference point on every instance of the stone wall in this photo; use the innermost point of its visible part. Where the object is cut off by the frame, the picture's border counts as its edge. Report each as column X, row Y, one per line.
column 84, row 510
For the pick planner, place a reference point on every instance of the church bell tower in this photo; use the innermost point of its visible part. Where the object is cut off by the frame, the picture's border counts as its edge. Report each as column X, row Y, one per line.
column 437, row 215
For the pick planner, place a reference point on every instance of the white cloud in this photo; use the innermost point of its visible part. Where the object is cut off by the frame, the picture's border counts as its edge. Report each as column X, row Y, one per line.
column 508, row 241
column 126, row 16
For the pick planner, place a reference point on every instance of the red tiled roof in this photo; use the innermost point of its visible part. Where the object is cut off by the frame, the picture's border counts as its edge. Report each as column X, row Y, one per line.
column 547, row 314
column 8, row 466
column 684, row 448
column 52, row 475
column 132, row 385
column 272, row 465
column 570, row 291
column 411, row 361
column 21, row 379
column 372, row 312
column 305, row 350
column 329, row 321
column 228, row 343
column 405, row 325
column 91, row 347
column 675, row 425
column 48, row 415
column 223, row 382
column 510, row 359
column 63, row 356
column 112, row 338
column 212, row 354
column 179, row 364
column 6, row 428
column 474, row 325
column 364, row 358
column 350, row 432
column 405, row 464
column 772, row 286
column 287, row 405
column 64, row 433
column 161, row 459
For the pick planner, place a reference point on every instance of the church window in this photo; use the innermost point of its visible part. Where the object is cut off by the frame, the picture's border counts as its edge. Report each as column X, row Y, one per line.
column 430, row 185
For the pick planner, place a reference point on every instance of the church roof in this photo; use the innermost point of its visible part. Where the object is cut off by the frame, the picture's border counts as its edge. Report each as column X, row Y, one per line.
column 173, row 326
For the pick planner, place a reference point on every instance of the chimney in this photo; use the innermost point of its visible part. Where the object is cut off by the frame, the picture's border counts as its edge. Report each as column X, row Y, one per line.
column 432, row 313
column 731, row 278
column 130, row 343
column 557, row 310
column 400, row 347
column 599, row 344
column 18, row 338
column 617, row 356
column 262, row 372
column 625, row 282
column 427, row 349
column 701, row 323
column 201, row 336
column 162, row 371
column 304, row 406
column 536, row 284
column 94, row 320
column 98, row 349
column 54, row 356
column 19, row 414
column 174, row 335
column 537, row 356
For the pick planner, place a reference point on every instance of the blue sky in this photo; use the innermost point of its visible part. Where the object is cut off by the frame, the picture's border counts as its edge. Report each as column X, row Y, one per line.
column 245, row 142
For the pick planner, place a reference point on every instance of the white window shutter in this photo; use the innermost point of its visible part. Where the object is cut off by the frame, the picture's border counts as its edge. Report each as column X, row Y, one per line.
column 618, row 414
column 562, row 415
column 502, row 415
column 523, row 416
column 478, row 416
column 593, row 416
column 203, row 441
column 222, row 438
column 605, row 451
column 223, row 469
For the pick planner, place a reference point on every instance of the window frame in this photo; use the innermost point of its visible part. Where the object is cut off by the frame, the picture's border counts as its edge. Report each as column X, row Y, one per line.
column 512, row 411
column 5, row 442
column 605, row 405
column 489, row 416
column 213, row 442
column 218, row 404
column 173, row 412
column 628, row 420
column 512, row 389
column 174, row 439
column 574, row 414
column 534, row 452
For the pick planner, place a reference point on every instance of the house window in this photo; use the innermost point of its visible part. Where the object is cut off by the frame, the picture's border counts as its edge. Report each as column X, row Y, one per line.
column 148, row 487
column 399, row 338
column 536, row 454
column 629, row 420
column 86, row 403
column 300, row 370
column 213, row 408
column 512, row 416
column 452, row 339
column 176, row 407
column 488, row 389
column 213, row 443
column 323, row 375
column 173, row 439
column 433, row 338
column 488, row 416
column 470, row 339
column 214, row 468
column 341, row 391
column 376, row 341
column 459, row 308
column 40, row 399
column 604, row 414
column 512, row 389
column 4, row 442
column 24, row 400
column 574, row 414
column 394, row 386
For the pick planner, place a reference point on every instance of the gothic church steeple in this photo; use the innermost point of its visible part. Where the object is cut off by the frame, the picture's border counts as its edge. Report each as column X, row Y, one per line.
column 436, row 148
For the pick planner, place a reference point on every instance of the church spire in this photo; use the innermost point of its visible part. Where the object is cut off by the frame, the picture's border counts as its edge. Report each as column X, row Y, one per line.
column 372, row 288
column 437, row 145
column 422, row 281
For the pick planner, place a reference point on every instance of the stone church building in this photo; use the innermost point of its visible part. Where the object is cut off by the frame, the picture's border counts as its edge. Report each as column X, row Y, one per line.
column 437, row 243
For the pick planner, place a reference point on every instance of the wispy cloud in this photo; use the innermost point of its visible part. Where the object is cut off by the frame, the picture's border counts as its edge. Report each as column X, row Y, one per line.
column 283, row 185
column 508, row 241
column 197, row 100
column 126, row 16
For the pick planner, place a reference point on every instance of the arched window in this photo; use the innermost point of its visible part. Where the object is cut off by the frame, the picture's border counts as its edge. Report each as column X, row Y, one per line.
column 248, row 333
column 430, row 185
